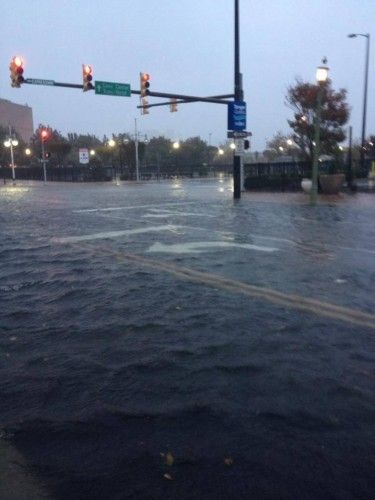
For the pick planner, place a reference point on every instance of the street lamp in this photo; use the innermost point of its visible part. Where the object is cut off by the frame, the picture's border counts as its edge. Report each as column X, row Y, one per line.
column 92, row 152
column 27, row 151
column 176, row 145
column 11, row 143
column 321, row 78
column 367, row 36
column 232, row 145
column 221, row 151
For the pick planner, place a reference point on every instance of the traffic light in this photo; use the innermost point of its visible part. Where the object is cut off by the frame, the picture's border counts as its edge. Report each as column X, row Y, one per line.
column 47, row 155
column 44, row 134
column 144, row 110
column 173, row 105
column 87, row 77
column 144, row 84
column 246, row 144
column 16, row 72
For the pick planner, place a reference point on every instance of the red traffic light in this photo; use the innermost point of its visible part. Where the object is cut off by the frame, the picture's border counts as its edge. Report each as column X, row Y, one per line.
column 87, row 77
column 44, row 134
column 16, row 71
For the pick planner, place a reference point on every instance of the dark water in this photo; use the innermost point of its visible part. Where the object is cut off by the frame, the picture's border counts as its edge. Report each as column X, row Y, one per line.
column 107, row 364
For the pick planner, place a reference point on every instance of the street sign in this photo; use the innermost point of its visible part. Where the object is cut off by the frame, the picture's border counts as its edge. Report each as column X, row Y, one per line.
column 39, row 81
column 83, row 155
column 241, row 134
column 237, row 115
column 112, row 88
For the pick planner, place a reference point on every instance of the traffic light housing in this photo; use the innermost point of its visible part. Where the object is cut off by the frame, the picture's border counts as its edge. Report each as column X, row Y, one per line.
column 87, row 78
column 246, row 144
column 16, row 72
column 144, row 110
column 144, row 84
column 173, row 105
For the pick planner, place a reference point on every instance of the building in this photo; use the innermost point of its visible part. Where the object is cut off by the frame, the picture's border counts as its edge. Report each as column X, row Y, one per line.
column 19, row 117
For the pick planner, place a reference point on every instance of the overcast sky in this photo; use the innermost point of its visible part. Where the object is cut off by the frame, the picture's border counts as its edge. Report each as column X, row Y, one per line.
column 187, row 47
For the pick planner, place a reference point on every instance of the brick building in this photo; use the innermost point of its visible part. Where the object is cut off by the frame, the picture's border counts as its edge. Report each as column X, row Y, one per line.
column 19, row 117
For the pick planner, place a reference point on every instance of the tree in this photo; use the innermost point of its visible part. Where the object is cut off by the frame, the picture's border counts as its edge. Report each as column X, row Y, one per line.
column 280, row 145
column 302, row 99
column 370, row 146
column 56, row 144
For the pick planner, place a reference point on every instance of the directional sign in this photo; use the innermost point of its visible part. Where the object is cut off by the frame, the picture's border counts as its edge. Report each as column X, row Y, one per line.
column 112, row 88
column 39, row 81
column 237, row 115
column 241, row 134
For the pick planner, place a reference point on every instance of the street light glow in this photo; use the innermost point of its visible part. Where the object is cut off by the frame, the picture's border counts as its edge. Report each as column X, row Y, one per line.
column 176, row 145
column 111, row 143
column 27, row 151
column 232, row 145
column 221, row 151
column 321, row 74
column 92, row 152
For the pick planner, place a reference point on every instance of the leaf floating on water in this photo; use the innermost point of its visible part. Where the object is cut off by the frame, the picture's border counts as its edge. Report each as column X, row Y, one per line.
column 168, row 476
column 228, row 461
column 169, row 460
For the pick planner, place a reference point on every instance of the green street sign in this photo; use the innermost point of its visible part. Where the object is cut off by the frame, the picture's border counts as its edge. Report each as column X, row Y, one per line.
column 112, row 88
column 39, row 81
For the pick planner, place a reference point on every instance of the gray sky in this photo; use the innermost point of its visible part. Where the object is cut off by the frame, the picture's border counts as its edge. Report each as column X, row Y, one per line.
column 187, row 47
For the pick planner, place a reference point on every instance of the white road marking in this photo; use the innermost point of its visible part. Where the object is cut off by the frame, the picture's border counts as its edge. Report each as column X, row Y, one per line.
column 167, row 213
column 134, row 207
column 205, row 246
column 113, row 234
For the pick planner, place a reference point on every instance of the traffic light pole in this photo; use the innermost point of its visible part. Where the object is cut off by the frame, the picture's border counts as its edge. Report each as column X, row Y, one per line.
column 238, row 96
column 44, row 163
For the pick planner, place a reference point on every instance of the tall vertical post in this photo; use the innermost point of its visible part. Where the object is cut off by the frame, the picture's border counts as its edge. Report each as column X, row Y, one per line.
column 12, row 155
column 363, row 145
column 314, row 187
column 238, row 96
column 44, row 163
column 349, row 170
column 136, row 150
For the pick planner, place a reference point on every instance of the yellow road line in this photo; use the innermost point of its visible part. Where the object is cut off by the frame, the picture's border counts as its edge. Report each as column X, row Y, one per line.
column 314, row 306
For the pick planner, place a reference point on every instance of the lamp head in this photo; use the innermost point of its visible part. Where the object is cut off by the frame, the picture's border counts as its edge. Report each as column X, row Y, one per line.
column 352, row 35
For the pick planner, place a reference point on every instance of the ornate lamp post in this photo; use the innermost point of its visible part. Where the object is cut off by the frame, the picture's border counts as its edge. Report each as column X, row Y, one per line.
column 321, row 78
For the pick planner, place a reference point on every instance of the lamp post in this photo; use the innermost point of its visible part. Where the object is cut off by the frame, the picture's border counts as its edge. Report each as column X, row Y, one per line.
column 321, row 78
column 112, row 144
column 363, row 147
column 11, row 143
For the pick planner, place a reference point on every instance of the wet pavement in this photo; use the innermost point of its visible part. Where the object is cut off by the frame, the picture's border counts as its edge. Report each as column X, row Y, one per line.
column 145, row 319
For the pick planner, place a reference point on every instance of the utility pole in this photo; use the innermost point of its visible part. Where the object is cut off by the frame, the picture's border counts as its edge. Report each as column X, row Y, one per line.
column 238, row 96
column 136, row 150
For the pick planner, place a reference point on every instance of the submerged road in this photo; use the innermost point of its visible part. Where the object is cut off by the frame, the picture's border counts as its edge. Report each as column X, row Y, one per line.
column 147, row 321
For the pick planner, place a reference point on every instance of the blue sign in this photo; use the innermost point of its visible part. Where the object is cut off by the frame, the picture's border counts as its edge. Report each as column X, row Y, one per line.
column 237, row 115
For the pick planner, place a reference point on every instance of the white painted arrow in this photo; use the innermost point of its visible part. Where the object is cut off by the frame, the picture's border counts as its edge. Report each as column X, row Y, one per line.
column 205, row 246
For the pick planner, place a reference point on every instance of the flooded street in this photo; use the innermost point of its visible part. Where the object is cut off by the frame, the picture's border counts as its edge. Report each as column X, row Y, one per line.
column 146, row 321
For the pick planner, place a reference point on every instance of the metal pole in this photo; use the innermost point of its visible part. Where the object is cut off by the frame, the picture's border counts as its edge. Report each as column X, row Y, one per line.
column 136, row 152
column 12, row 160
column 314, row 187
column 238, row 96
column 11, row 155
column 349, row 171
column 363, row 150
column 44, row 163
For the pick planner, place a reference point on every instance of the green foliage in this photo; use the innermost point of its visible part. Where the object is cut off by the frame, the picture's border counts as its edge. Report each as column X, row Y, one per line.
column 302, row 99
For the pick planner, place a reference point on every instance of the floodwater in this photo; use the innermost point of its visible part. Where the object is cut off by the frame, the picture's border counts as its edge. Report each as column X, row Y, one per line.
column 159, row 340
